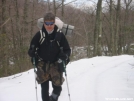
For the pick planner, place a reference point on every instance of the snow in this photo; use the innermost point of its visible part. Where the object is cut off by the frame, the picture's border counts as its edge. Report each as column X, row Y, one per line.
column 92, row 79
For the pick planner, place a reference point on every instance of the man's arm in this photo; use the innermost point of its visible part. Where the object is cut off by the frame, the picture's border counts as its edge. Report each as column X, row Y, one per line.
column 34, row 44
column 64, row 43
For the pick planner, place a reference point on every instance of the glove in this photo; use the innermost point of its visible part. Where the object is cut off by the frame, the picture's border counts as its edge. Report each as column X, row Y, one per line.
column 31, row 53
column 36, row 60
column 62, row 56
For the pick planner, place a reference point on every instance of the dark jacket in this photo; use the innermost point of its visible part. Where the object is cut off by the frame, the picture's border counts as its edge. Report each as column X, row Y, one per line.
column 49, row 49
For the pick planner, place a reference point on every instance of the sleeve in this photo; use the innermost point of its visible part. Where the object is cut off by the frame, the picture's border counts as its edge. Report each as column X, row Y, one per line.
column 34, row 44
column 64, row 43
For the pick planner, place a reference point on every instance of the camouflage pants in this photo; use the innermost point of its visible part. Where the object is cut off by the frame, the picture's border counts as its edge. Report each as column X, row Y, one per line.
column 51, row 72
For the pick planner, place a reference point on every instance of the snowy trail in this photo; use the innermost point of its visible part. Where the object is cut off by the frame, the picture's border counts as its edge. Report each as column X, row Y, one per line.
column 94, row 79
column 96, row 83
column 113, row 80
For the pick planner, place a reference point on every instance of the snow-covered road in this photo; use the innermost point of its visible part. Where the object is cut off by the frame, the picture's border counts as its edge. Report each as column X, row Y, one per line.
column 94, row 79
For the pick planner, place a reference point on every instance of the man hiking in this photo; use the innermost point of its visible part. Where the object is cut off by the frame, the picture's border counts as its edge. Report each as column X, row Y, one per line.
column 46, row 48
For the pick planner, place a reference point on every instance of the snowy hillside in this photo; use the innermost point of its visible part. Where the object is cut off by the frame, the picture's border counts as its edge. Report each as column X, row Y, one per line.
column 93, row 79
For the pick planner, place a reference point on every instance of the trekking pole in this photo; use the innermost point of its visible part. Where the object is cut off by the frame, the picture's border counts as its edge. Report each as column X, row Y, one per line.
column 61, row 48
column 67, row 81
column 35, row 75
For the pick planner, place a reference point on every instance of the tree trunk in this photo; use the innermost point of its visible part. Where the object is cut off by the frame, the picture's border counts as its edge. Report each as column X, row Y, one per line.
column 117, row 28
column 4, row 42
column 32, row 23
column 98, row 30
column 3, row 16
column 54, row 5
column 62, row 11
column 111, row 29
column 19, row 35
column 48, row 5
column 126, row 37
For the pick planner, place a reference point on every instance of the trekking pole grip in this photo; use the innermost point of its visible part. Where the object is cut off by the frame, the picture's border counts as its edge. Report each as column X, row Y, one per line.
column 64, row 64
column 33, row 58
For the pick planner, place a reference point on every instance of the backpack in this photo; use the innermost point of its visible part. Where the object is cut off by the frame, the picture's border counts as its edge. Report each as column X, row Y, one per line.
column 65, row 28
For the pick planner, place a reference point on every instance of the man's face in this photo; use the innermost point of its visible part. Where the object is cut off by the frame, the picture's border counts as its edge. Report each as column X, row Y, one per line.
column 49, row 25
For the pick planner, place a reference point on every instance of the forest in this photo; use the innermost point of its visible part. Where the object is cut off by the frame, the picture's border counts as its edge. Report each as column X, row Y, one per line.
column 105, row 28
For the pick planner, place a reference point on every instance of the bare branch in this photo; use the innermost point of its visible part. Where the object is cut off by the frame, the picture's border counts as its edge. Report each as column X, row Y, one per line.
column 5, row 22
column 70, row 2
column 127, row 2
column 65, row 4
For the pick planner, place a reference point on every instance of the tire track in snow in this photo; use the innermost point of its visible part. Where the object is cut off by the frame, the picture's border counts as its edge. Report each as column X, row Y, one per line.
column 107, row 73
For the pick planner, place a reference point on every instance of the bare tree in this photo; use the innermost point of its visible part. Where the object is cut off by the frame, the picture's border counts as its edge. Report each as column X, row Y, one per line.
column 48, row 5
column 126, row 41
column 62, row 11
column 117, row 27
column 18, row 19
column 32, row 22
column 3, row 16
column 98, row 30
column 54, row 6
column 112, row 48
column 3, row 63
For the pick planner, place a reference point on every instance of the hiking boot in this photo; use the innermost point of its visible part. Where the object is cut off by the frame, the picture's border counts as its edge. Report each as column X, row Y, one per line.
column 53, row 97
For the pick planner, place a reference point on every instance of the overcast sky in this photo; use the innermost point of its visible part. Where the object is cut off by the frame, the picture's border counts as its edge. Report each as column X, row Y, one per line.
column 79, row 2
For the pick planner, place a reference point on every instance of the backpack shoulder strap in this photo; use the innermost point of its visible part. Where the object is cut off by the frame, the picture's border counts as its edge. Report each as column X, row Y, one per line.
column 58, row 37
column 42, row 38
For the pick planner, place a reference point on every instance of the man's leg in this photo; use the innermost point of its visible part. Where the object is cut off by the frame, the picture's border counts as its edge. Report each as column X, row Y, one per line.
column 56, row 93
column 45, row 90
column 57, row 89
